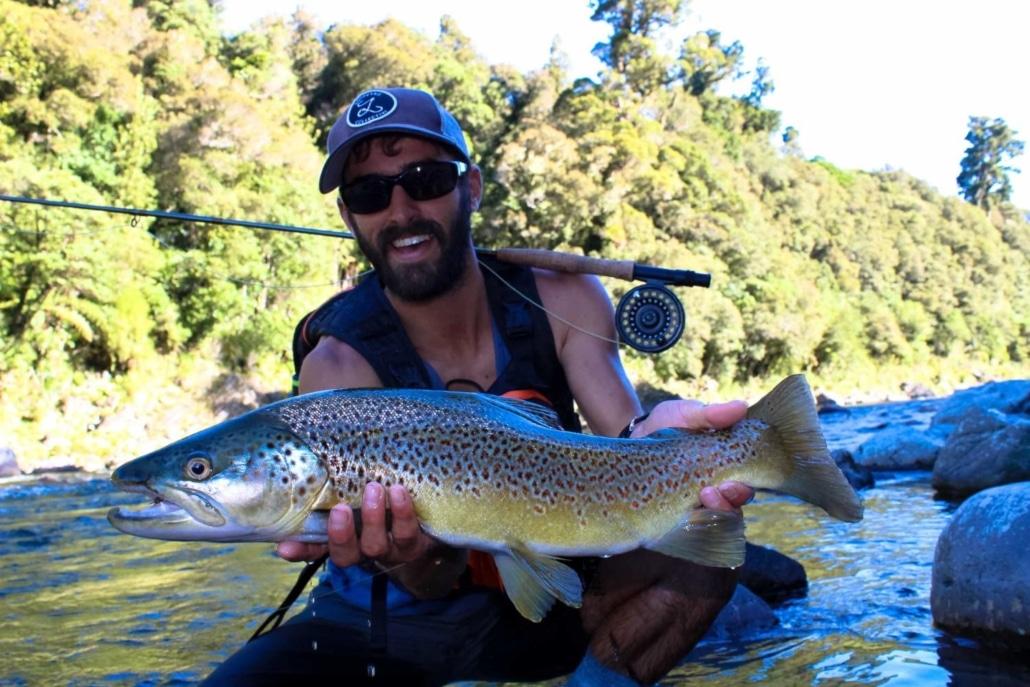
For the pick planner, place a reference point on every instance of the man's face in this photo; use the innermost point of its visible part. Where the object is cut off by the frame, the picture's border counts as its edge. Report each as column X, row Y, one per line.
column 418, row 248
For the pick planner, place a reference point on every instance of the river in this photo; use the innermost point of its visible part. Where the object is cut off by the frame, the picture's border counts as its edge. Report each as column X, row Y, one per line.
column 85, row 605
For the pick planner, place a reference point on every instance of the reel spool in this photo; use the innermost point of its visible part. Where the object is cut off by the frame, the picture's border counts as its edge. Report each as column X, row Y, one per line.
column 650, row 318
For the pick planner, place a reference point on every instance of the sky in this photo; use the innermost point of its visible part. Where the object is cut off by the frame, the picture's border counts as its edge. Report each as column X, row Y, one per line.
column 869, row 85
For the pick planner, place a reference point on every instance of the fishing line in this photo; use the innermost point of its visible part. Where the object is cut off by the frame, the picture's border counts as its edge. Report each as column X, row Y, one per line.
column 541, row 306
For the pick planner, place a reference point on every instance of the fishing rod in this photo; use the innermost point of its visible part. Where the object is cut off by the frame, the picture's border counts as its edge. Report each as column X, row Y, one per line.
column 650, row 318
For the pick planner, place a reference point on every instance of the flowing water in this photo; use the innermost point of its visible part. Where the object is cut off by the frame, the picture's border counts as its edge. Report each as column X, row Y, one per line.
column 82, row 604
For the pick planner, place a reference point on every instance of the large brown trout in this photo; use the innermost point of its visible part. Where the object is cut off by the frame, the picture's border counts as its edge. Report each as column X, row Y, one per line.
column 484, row 472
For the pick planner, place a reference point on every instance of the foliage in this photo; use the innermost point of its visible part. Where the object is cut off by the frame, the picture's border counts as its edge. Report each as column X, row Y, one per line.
column 835, row 272
column 984, row 179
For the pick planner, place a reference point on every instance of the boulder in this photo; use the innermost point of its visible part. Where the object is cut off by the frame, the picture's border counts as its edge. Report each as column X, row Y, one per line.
column 772, row 575
column 1010, row 397
column 981, row 570
column 825, row 405
column 899, row 448
column 745, row 614
column 986, row 449
column 857, row 475
column 916, row 390
column 8, row 463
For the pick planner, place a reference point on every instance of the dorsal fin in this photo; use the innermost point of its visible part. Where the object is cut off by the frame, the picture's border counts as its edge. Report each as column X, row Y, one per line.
column 531, row 411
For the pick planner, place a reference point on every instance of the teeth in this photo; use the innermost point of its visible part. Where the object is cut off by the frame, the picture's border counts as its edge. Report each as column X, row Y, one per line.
column 410, row 241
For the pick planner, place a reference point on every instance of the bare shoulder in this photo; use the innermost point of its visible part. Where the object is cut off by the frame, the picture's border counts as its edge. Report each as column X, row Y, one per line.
column 579, row 299
column 333, row 364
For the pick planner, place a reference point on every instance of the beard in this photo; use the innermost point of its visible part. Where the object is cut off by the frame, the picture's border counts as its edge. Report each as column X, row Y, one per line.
column 428, row 280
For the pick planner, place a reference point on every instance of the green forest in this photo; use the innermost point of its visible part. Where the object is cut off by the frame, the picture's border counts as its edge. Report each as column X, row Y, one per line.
column 117, row 333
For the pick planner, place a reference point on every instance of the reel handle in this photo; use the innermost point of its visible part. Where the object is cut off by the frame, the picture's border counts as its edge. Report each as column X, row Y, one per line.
column 581, row 264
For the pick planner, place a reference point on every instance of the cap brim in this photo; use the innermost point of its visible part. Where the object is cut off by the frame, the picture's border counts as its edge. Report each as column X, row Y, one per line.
column 332, row 170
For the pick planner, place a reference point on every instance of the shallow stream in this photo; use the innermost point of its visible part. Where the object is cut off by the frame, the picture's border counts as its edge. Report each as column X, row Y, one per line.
column 82, row 604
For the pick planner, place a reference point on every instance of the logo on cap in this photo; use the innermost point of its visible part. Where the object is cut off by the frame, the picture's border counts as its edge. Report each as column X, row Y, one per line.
column 369, row 107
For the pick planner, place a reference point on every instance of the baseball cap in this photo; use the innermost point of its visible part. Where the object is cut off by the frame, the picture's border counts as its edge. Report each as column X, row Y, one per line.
column 388, row 110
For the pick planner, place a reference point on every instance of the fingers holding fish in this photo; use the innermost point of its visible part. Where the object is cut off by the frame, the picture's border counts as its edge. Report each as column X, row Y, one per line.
column 343, row 539
column 408, row 538
column 296, row 551
column 728, row 496
column 374, row 540
column 388, row 532
column 722, row 415
column 693, row 415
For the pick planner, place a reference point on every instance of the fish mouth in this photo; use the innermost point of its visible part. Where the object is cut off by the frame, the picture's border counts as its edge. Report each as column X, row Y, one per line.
column 188, row 515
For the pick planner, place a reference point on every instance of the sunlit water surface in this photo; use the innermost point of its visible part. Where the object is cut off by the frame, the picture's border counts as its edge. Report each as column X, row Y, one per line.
column 82, row 604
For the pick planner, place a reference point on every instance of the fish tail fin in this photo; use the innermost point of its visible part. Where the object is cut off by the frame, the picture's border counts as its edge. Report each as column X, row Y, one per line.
column 804, row 462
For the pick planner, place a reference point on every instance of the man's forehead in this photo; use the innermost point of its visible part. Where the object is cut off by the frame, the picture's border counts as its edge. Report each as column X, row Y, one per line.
column 392, row 145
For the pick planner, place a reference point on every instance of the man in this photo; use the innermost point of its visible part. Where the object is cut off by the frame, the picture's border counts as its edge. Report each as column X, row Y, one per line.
column 397, row 606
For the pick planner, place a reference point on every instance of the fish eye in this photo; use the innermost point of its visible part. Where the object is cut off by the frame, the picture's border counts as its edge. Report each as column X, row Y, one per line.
column 198, row 468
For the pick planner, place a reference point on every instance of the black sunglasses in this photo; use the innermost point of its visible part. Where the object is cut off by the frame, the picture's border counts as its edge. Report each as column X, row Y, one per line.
column 422, row 181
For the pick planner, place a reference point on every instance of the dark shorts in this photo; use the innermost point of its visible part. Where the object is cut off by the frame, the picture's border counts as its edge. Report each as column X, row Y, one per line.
column 476, row 635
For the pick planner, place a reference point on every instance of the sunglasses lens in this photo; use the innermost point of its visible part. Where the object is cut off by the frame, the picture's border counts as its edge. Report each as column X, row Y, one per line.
column 430, row 180
column 424, row 181
column 367, row 195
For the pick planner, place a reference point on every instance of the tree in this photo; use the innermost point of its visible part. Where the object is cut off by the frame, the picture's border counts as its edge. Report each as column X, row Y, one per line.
column 984, row 178
column 705, row 61
column 632, row 51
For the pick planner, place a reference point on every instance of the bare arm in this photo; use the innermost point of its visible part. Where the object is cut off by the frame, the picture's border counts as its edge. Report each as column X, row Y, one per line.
column 582, row 320
column 423, row 565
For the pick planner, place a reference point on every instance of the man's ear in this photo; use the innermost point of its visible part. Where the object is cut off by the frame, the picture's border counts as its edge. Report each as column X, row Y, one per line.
column 475, row 187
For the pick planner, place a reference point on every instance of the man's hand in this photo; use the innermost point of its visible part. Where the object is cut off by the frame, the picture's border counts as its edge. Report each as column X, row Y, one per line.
column 700, row 417
column 427, row 568
column 402, row 542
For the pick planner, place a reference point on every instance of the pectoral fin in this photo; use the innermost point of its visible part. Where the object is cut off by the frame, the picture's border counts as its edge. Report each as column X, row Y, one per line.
column 533, row 581
column 708, row 537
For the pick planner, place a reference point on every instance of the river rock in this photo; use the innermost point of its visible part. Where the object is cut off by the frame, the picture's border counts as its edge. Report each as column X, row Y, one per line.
column 1010, row 397
column 916, row 390
column 986, row 449
column 745, row 614
column 772, row 575
column 981, row 570
column 899, row 448
column 857, row 475
column 825, row 405
column 8, row 463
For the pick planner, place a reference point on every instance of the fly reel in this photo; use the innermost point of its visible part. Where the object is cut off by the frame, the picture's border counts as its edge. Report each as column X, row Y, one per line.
column 650, row 318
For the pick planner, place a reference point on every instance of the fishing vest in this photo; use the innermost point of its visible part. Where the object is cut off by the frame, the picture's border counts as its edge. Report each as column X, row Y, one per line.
column 363, row 318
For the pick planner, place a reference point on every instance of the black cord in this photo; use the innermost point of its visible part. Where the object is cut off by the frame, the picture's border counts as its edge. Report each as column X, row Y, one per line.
column 277, row 616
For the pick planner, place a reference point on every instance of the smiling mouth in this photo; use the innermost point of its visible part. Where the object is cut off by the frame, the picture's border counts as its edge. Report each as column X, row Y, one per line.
column 410, row 241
